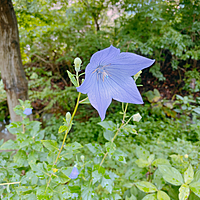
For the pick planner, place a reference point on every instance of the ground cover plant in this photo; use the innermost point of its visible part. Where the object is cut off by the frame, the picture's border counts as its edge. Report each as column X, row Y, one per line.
column 132, row 167
column 63, row 155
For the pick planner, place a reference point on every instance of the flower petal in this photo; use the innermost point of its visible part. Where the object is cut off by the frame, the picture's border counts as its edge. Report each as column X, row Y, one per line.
column 100, row 97
column 104, row 55
column 87, row 84
column 129, row 63
column 74, row 174
column 124, row 89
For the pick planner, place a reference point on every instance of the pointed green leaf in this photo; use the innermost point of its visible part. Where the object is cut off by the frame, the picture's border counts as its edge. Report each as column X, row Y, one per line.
column 184, row 192
column 162, row 196
column 62, row 129
column 197, row 176
column 142, row 163
column 171, row 175
column 51, row 145
column 131, row 198
column 108, row 135
column 158, row 179
column 142, row 153
column 150, row 197
column 146, row 186
column 195, row 187
column 72, row 78
column 189, row 175
column 160, row 161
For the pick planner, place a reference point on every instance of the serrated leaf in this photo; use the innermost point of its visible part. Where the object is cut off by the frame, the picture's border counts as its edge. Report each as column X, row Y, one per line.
column 171, row 175
column 162, row 196
column 160, row 161
column 195, row 187
column 184, row 192
column 142, row 163
column 87, row 193
column 150, row 197
column 146, row 186
column 189, row 175
column 51, row 145
column 142, row 153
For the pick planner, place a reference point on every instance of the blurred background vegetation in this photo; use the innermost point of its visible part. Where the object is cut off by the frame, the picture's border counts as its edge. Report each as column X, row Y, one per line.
column 54, row 32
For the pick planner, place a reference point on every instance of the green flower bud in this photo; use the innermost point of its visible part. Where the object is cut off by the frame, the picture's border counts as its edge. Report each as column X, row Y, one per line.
column 77, row 63
column 137, row 117
column 68, row 117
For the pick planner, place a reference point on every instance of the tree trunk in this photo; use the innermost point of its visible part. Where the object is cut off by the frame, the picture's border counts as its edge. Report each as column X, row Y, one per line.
column 12, row 71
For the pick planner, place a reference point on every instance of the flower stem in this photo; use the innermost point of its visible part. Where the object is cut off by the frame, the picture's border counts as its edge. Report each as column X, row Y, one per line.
column 66, row 133
column 122, row 124
column 9, row 183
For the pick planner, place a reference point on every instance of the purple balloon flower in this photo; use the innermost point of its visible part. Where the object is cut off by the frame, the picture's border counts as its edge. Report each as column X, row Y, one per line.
column 74, row 174
column 28, row 111
column 109, row 76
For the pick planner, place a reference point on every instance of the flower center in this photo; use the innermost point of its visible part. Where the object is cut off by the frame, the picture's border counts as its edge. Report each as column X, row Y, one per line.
column 101, row 72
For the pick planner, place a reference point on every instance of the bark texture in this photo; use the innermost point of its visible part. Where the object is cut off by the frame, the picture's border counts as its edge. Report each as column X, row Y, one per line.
column 12, row 71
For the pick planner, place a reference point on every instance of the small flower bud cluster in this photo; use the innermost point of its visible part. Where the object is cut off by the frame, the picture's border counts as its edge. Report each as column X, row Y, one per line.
column 77, row 63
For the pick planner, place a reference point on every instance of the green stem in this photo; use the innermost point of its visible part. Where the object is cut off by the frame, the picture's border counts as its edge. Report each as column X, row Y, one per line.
column 122, row 124
column 66, row 133
column 9, row 183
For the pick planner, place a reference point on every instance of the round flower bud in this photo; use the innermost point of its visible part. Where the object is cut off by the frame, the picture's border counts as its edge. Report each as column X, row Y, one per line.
column 77, row 63
column 82, row 158
column 68, row 117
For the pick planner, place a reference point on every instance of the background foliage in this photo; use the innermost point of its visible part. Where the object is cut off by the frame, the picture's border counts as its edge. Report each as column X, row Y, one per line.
column 141, row 166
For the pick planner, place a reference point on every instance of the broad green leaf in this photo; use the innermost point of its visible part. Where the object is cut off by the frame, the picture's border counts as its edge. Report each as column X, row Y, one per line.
column 109, row 125
column 72, row 78
column 197, row 176
column 151, row 158
column 184, row 192
column 146, row 186
column 142, row 163
column 73, row 146
column 61, row 177
column 160, row 161
column 189, row 175
column 108, row 135
column 150, row 197
column 21, row 158
column 158, row 179
column 107, row 183
column 10, row 144
column 162, row 196
column 110, row 147
column 171, row 175
column 119, row 155
column 95, row 148
column 131, row 198
column 87, row 193
column 51, row 145
column 195, row 187
column 142, row 153
column 96, row 176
